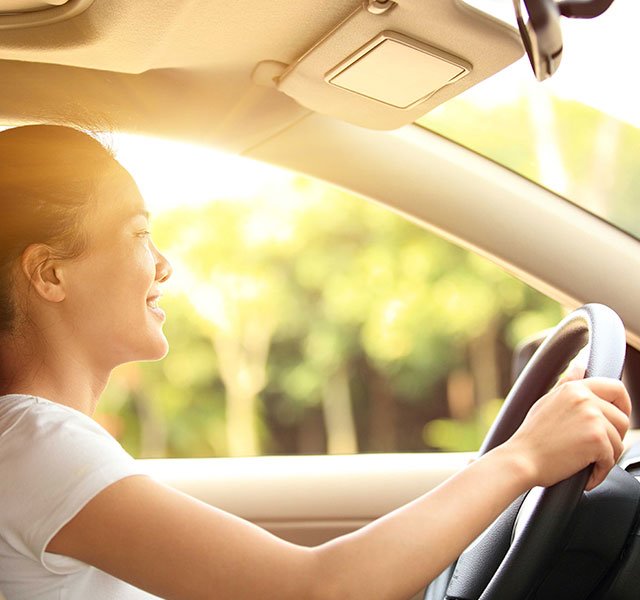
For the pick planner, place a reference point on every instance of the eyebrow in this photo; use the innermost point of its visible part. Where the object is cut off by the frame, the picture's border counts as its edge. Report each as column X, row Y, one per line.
column 140, row 212
column 136, row 212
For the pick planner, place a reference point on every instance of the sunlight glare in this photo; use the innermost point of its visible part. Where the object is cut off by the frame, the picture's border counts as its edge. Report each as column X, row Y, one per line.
column 593, row 69
column 170, row 173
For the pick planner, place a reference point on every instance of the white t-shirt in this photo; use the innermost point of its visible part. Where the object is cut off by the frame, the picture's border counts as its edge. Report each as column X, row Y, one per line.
column 53, row 460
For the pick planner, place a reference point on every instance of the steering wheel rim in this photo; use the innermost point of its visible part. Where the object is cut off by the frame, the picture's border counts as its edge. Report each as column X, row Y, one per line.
column 496, row 566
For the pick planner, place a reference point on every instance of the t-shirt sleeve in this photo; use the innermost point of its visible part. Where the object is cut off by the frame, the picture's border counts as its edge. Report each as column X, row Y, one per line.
column 53, row 460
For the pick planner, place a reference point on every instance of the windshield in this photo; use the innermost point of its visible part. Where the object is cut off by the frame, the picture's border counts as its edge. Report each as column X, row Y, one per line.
column 577, row 133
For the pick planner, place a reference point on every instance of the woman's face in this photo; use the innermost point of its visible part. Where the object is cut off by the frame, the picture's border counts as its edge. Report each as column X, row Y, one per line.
column 113, row 288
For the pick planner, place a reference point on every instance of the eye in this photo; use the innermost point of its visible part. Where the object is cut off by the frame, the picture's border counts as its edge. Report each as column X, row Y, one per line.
column 143, row 234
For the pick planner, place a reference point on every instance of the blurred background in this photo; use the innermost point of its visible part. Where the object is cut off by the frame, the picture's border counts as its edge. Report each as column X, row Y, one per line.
column 304, row 320
column 307, row 321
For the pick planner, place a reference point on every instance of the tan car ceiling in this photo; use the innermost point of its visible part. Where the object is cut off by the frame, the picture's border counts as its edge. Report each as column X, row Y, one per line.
column 186, row 68
column 178, row 68
column 134, row 37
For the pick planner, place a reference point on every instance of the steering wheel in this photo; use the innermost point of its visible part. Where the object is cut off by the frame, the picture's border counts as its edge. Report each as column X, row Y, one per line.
column 501, row 564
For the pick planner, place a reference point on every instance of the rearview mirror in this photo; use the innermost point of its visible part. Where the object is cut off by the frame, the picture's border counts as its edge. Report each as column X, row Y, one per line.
column 539, row 25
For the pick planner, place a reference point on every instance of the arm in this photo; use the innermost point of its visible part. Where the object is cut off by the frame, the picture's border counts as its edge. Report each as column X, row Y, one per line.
column 179, row 548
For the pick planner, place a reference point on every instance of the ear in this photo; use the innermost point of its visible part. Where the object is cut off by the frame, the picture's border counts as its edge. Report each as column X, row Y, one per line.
column 43, row 271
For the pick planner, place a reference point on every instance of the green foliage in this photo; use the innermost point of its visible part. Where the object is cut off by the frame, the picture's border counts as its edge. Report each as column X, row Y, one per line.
column 571, row 148
column 463, row 435
column 335, row 283
column 333, row 324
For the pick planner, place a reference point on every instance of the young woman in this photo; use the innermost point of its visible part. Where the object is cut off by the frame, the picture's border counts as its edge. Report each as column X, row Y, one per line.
column 79, row 284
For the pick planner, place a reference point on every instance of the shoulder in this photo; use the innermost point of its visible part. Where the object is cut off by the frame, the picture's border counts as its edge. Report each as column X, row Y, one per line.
column 59, row 459
column 51, row 442
column 39, row 416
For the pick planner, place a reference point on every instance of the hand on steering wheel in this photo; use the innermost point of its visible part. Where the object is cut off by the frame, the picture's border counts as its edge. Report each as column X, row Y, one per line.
column 500, row 565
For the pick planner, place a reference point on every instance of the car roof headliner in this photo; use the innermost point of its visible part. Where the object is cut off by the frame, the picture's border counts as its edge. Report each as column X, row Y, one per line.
column 185, row 68
column 157, row 67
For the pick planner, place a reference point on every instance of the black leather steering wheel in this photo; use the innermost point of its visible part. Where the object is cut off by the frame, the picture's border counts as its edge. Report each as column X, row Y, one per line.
column 500, row 565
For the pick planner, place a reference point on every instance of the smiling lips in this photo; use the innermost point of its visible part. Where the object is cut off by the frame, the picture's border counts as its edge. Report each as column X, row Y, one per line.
column 152, row 303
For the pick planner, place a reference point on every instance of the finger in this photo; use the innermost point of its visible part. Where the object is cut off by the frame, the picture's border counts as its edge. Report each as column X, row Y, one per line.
column 614, row 416
column 612, row 395
column 573, row 373
column 601, row 469
column 611, row 448
column 598, row 475
column 615, row 439
column 611, row 390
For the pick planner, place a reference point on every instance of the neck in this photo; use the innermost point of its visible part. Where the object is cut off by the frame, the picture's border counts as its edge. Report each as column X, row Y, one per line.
column 41, row 372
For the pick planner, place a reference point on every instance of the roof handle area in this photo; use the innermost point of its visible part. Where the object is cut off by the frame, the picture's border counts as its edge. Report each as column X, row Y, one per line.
column 17, row 14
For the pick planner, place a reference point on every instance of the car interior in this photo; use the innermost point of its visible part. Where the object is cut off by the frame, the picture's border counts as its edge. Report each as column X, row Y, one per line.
column 342, row 91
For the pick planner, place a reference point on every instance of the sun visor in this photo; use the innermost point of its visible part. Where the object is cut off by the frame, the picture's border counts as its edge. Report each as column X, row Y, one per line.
column 389, row 62
column 17, row 14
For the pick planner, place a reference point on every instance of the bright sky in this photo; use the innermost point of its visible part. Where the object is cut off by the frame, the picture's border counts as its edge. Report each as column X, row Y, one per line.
column 598, row 62
column 598, row 68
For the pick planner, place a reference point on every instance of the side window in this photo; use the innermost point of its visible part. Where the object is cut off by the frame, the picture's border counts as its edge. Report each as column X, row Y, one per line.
column 304, row 320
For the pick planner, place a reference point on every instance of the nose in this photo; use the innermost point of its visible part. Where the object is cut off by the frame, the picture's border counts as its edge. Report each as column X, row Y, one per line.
column 163, row 266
